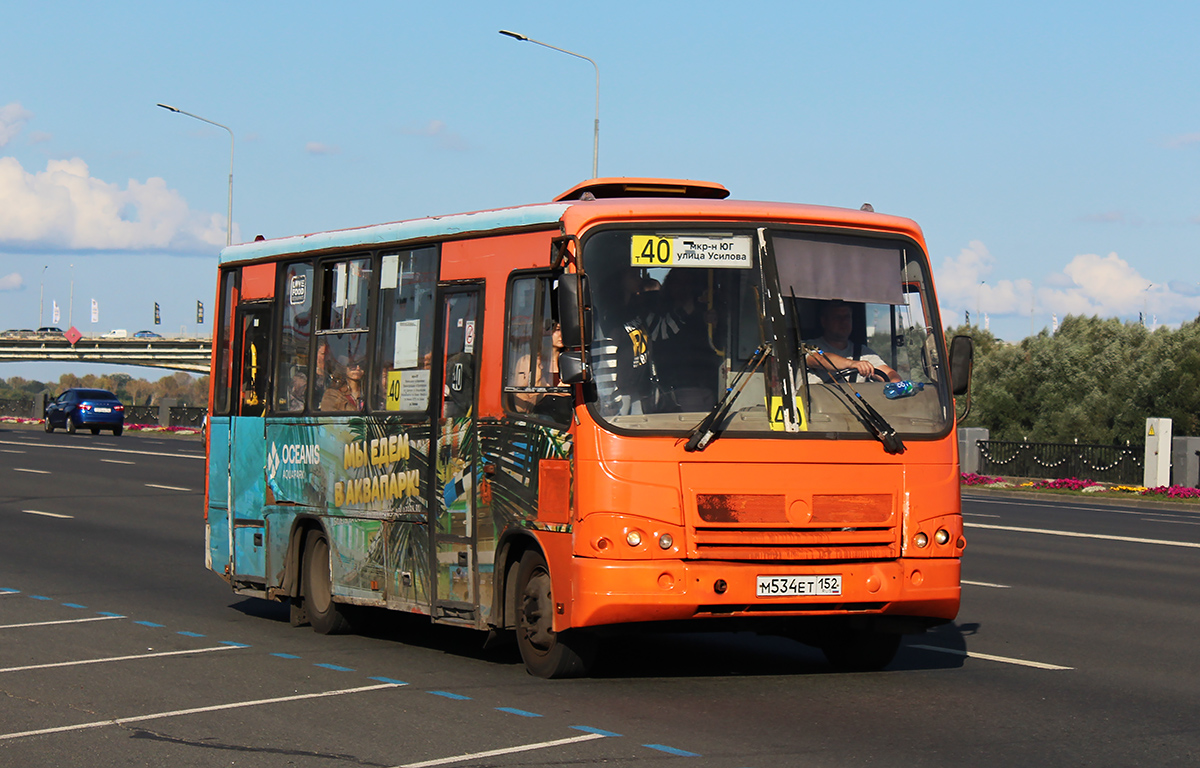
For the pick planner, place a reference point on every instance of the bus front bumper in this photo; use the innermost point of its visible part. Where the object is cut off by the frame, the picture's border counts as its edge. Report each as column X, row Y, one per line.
column 618, row 592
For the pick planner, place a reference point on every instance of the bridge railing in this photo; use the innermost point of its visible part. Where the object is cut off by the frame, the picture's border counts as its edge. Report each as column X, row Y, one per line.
column 176, row 415
column 1102, row 463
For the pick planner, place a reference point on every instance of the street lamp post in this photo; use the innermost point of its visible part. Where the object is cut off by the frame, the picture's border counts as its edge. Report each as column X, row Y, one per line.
column 596, row 132
column 229, row 215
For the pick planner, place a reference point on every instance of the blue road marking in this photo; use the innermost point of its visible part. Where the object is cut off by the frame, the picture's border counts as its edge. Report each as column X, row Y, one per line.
column 589, row 729
column 334, row 667
column 190, row 634
column 10, row 591
column 109, row 613
column 520, row 712
column 286, row 655
column 150, row 624
column 389, row 680
column 38, row 597
column 448, row 695
column 73, row 605
column 671, row 750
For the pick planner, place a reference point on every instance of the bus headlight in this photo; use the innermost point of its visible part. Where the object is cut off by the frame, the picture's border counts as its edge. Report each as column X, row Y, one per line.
column 921, row 540
column 665, row 541
column 633, row 538
column 942, row 536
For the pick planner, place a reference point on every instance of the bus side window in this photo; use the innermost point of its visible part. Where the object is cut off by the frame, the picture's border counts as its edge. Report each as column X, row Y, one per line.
column 404, row 331
column 224, row 383
column 532, row 346
column 292, row 364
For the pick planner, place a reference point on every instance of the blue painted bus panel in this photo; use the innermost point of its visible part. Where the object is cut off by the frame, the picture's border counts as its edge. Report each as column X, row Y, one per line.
column 249, row 546
column 218, row 538
column 218, row 461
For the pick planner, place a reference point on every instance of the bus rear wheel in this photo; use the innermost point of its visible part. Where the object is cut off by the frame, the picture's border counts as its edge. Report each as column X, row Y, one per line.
column 326, row 616
column 546, row 653
column 851, row 649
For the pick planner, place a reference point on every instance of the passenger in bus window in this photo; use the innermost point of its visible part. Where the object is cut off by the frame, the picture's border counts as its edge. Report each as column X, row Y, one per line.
column 345, row 392
column 837, row 324
column 682, row 330
column 554, row 405
column 626, row 380
column 296, row 391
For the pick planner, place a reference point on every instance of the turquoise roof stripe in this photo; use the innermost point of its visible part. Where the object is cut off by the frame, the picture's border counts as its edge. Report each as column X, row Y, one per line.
column 367, row 237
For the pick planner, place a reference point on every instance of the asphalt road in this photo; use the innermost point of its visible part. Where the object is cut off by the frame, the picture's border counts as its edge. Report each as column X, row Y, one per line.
column 1076, row 645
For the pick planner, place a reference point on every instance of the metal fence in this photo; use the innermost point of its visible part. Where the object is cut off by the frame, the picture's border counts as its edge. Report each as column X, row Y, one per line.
column 177, row 415
column 1102, row 463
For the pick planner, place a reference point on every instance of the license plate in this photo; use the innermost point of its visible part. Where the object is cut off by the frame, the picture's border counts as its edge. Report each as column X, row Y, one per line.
column 104, row 410
column 799, row 586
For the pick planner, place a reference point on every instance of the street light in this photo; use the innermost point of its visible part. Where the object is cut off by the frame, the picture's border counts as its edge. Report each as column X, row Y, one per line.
column 596, row 134
column 229, row 217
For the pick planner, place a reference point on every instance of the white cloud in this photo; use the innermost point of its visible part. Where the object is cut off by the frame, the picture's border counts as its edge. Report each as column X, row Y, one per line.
column 64, row 207
column 318, row 148
column 963, row 285
column 1182, row 140
column 436, row 129
column 1098, row 285
column 12, row 119
column 11, row 282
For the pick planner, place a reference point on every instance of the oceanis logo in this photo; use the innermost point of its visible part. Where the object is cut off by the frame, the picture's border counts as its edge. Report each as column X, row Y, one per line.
column 290, row 459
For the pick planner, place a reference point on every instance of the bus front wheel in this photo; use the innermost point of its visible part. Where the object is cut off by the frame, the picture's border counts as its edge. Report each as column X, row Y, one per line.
column 326, row 616
column 851, row 649
column 547, row 654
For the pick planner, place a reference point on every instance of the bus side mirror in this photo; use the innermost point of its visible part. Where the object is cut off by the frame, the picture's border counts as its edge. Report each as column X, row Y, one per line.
column 570, row 367
column 962, row 357
column 574, row 310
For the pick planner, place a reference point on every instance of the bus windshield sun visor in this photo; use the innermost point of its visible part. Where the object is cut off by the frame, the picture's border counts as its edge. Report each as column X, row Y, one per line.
column 833, row 267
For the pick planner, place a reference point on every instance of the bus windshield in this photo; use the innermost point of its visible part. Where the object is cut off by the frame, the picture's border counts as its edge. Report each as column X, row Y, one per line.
column 677, row 313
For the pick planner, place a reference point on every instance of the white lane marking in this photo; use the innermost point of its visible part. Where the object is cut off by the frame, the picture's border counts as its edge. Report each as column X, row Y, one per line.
column 986, row 584
column 195, row 711
column 64, row 621
column 504, row 751
column 978, row 514
column 1077, row 535
column 1186, row 514
column 108, row 450
column 990, row 657
column 119, row 658
column 47, row 514
column 32, row 471
column 168, row 487
column 117, row 461
column 1169, row 522
column 6, row 450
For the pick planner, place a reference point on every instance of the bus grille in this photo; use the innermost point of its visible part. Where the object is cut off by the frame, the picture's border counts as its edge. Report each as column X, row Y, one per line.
column 775, row 544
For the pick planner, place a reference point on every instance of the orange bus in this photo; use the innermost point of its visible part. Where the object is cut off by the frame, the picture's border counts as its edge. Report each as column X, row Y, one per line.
column 641, row 402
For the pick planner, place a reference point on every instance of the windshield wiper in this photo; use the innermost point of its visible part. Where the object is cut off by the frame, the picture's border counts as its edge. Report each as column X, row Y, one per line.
column 862, row 410
column 709, row 427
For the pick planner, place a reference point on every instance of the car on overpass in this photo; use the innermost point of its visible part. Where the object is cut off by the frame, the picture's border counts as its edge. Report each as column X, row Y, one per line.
column 146, row 335
column 50, row 330
column 93, row 409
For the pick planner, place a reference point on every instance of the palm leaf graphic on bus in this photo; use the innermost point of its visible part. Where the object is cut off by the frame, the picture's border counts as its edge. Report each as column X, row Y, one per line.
column 456, row 475
column 516, row 448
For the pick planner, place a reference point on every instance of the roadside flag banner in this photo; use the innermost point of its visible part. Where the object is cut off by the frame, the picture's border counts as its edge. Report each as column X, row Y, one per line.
column 95, row 311
column 157, row 315
column 199, row 313
column 55, row 321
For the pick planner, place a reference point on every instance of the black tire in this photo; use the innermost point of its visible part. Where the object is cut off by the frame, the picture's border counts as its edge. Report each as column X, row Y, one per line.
column 117, row 431
column 95, row 430
column 71, row 428
column 547, row 654
column 326, row 616
column 860, row 650
column 48, row 426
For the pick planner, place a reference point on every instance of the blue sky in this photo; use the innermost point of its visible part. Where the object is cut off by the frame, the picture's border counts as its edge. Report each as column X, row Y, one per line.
column 1051, row 152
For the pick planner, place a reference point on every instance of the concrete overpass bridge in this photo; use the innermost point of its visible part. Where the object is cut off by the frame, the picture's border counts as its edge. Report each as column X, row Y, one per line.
column 192, row 355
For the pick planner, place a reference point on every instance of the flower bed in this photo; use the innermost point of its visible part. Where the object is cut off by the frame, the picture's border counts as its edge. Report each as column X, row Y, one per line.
column 1073, row 484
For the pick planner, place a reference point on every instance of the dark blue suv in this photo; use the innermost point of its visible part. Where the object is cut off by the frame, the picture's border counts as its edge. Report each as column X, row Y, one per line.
column 94, row 409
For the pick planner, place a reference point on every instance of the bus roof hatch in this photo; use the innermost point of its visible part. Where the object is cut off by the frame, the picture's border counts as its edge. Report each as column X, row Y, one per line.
column 639, row 187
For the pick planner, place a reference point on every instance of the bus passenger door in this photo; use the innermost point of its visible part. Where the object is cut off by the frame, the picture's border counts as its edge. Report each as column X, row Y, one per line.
column 457, row 468
column 247, row 442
